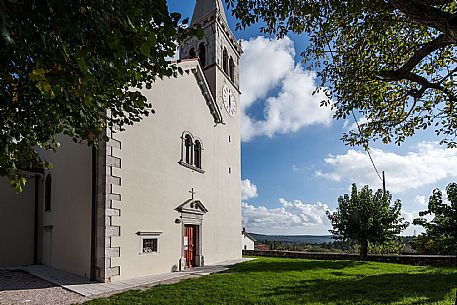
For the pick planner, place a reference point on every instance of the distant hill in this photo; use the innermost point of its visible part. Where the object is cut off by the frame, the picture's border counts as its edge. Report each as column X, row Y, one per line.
column 293, row 239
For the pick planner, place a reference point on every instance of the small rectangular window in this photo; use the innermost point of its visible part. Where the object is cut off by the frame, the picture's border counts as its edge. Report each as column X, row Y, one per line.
column 149, row 245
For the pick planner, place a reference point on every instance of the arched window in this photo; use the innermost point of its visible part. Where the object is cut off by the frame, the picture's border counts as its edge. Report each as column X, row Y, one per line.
column 192, row 53
column 47, row 192
column 231, row 69
column 188, row 149
column 202, row 54
column 198, row 154
column 225, row 60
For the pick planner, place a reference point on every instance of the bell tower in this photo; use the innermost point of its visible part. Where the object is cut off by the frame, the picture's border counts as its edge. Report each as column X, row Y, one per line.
column 218, row 53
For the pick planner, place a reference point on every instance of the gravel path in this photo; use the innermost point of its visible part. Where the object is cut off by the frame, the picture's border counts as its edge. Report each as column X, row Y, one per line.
column 18, row 287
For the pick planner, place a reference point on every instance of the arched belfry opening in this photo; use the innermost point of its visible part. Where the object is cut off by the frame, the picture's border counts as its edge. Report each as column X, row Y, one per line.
column 202, row 54
column 217, row 54
column 231, row 69
column 225, row 61
column 192, row 53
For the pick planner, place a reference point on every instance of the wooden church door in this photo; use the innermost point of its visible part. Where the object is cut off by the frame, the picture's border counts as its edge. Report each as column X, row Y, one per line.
column 190, row 244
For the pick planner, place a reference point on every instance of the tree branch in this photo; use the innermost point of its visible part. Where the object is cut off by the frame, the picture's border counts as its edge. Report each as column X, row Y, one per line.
column 437, row 2
column 426, row 14
column 439, row 42
column 396, row 76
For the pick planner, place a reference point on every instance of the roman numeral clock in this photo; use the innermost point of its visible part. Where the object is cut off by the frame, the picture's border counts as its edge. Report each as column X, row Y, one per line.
column 229, row 100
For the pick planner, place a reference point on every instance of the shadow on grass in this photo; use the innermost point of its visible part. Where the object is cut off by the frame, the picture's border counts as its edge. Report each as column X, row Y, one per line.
column 265, row 265
column 294, row 281
column 374, row 289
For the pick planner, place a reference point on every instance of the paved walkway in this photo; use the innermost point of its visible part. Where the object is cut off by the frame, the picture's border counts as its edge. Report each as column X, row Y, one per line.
column 86, row 288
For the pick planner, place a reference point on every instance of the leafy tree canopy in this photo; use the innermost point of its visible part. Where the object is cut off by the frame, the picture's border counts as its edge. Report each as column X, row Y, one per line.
column 72, row 67
column 366, row 218
column 441, row 232
column 394, row 61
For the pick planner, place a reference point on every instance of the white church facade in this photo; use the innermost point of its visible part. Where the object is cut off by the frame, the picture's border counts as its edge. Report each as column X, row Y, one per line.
column 161, row 196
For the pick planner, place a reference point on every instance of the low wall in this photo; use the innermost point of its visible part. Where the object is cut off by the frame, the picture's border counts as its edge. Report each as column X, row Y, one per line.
column 430, row 260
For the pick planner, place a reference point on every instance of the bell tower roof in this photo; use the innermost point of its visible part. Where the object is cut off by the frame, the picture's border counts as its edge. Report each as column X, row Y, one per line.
column 218, row 51
column 205, row 7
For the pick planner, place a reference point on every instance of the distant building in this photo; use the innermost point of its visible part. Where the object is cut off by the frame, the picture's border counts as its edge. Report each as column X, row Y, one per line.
column 247, row 241
column 262, row 247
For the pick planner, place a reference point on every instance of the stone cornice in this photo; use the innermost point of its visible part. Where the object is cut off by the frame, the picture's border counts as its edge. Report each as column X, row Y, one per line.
column 192, row 65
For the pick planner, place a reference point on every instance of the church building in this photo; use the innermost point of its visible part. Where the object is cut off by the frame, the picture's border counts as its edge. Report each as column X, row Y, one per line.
column 161, row 196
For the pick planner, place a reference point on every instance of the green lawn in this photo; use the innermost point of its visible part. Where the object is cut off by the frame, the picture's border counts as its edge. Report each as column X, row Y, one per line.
column 299, row 281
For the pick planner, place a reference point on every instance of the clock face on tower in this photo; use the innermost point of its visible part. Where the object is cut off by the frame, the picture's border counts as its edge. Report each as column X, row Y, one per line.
column 229, row 100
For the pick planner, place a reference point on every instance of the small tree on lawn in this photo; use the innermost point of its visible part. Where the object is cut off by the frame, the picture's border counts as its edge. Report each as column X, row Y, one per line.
column 364, row 218
column 441, row 232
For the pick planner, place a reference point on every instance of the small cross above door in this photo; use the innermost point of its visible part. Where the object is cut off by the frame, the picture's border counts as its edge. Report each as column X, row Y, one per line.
column 193, row 193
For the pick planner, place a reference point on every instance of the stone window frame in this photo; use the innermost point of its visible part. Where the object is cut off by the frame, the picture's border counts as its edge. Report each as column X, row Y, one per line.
column 183, row 161
column 149, row 235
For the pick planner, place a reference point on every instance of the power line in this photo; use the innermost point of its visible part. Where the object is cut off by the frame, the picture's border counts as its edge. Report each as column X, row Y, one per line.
column 367, row 149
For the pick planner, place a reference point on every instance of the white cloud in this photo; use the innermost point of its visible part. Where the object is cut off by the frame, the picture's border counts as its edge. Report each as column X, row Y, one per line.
column 353, row 126
column 409, row 216
column 294, row 217
column 269, row 64
column 412, row 229
column 420, row 199
column 426, row 165
column 248, row 189
column 264, row 63
column 345, row 124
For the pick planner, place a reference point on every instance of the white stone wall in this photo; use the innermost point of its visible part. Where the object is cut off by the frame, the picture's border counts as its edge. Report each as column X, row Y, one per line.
column 246, row 243
column 154, row 184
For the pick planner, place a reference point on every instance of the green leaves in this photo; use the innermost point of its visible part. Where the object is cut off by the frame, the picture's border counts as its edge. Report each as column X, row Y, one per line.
column 38, row 75
column 65, row 66
column 441, row 231
column 375, row 58
column 367, row 218
column 145, row 49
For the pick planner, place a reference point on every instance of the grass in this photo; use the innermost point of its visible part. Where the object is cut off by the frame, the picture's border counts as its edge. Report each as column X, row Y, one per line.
column 300, row 281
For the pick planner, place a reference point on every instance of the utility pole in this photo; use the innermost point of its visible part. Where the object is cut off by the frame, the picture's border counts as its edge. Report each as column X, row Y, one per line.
column 384, row 183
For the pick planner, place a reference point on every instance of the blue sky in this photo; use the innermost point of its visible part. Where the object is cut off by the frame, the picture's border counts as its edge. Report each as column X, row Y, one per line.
column 294, row 165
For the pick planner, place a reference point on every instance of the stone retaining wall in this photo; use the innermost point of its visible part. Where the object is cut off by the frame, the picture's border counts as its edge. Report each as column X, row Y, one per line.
column 430, row 260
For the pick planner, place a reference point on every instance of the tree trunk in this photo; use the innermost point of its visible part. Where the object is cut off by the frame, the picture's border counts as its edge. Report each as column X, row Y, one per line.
column 363, row 249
